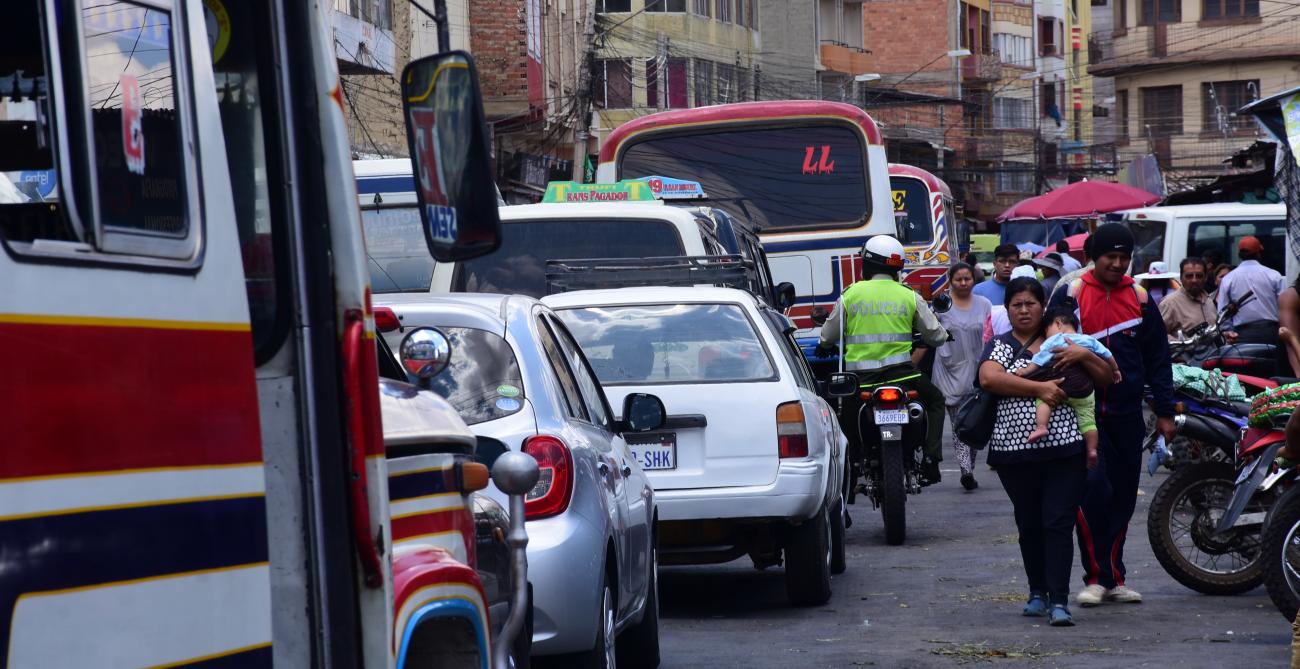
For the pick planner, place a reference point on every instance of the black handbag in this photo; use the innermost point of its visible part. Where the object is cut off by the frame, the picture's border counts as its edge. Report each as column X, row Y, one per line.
column 976, row 415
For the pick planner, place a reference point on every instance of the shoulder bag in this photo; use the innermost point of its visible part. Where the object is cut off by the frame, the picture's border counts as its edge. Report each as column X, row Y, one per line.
column 976, row 415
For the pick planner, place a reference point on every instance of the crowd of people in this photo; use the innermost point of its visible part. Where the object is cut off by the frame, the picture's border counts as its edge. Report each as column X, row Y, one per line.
column 1074, row 352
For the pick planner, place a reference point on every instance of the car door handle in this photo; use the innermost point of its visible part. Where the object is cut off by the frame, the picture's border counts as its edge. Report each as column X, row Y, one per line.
column 627, row 471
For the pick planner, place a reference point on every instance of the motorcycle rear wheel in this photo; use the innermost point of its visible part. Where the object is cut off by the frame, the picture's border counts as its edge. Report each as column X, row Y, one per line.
column 1281, row 547
column 1176, row 539
column 893, row 493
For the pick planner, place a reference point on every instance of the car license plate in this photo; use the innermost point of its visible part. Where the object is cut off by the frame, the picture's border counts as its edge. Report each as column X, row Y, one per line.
column 890, row 417
column 654, row 451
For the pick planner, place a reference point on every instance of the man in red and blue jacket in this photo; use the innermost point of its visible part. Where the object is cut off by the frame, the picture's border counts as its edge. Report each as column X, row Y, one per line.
column 1116, row 311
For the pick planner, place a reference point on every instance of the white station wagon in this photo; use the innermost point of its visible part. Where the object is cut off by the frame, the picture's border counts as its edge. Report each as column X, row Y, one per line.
column 751, row 459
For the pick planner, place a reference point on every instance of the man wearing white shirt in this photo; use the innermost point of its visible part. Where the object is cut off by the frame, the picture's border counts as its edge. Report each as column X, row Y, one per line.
column 1256, row 322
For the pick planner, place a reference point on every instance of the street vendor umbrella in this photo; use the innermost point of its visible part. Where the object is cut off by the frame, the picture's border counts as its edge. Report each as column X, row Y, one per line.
column 1075, row 242
column 1031, row 247
column 1081, row 200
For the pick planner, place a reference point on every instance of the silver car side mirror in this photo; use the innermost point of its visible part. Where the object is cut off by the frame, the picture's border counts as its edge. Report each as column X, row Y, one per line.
column 425, row 352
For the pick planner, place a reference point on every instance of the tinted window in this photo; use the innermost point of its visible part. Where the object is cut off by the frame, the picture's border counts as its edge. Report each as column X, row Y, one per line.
column 568, row 385
column 911, row 210
column 591, row 390
column 790, row 351
column 396, row 253
column 1224, row 235
column 1148, row 243
column 519, row 266
column 482, row 381
column 670, row 343
column 786, row 178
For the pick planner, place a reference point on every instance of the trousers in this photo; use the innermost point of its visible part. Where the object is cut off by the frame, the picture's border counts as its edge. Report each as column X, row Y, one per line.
column 1111, row 495
column 965, row 457
column 927, row 394
column 1045, row 496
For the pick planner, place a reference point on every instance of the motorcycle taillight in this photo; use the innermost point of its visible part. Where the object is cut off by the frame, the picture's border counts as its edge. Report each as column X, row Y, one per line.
column 1249, row 437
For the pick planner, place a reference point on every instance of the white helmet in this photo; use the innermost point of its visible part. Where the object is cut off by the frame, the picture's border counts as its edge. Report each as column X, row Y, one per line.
column 882, row 254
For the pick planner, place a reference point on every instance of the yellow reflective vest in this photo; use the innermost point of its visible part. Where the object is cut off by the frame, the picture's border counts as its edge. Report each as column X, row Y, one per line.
column 877, row 324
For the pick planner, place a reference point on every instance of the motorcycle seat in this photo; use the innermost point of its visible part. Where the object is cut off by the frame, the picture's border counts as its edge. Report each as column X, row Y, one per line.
column 1284, row 380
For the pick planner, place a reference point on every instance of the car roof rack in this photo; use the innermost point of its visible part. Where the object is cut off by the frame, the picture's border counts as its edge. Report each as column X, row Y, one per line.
column 731, row 271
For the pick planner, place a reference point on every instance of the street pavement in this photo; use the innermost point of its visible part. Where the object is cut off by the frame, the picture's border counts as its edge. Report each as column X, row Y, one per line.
column 951, row 596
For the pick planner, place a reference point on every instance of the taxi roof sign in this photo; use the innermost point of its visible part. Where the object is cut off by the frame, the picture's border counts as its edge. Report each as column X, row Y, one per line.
column 668, row 188
column 631, row 190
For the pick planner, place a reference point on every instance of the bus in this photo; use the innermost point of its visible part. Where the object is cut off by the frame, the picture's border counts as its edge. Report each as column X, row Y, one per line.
column 811, row 175
column 926, row 226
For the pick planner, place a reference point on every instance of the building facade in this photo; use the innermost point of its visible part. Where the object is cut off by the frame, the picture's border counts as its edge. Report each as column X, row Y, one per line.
column 1183, row 68
column 372, row 48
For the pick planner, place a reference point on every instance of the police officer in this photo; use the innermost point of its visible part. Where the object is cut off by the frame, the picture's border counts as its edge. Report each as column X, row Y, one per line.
column 880, row 314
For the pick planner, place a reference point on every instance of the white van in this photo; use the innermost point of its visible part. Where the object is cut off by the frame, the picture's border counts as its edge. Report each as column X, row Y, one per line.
column 1174, row 233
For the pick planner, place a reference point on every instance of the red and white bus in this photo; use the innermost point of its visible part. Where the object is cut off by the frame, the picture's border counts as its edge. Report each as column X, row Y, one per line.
column 923, row 211
column 812, row 175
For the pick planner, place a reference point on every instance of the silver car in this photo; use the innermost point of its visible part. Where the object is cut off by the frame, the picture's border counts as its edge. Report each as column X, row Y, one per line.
column 521, row 382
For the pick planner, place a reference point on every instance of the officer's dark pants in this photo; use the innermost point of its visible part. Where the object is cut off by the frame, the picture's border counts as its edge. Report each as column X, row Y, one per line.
column 928, row 395
column 1109, row 500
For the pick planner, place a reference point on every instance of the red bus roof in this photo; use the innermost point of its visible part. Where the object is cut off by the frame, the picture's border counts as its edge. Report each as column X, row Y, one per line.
column 935, row 184
column 740, row 112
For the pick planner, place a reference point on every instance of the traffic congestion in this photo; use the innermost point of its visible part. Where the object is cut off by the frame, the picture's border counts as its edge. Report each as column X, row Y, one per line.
column 273, row 404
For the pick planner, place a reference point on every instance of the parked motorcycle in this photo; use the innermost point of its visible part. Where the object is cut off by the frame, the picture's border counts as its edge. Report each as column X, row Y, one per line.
column 885, row 463
column 1205, row 346
column 1211, row 427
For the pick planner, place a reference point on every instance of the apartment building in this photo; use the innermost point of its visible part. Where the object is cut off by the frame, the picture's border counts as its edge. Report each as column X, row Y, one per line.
column 371, row 49
column 1183, row 68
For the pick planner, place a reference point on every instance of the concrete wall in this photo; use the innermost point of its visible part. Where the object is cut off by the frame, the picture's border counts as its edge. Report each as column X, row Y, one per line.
column 372, row 104
column 790, row 46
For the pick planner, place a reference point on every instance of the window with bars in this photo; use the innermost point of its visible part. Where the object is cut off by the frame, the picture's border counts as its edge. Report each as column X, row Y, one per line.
column 1162, row 111
column 1165, row 11
column 727, row 83
column 1013, row 49
column 1013, row 113
column 608, row 6
column 1220, row 101
column 664, row 6
column 702, row 7
column 613, row 83
column 1015, row 177
column 723, row 12
column 1229, row 9
column 666, row 88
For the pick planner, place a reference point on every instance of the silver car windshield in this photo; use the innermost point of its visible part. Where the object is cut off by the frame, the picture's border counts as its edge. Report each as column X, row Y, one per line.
column 670, row 344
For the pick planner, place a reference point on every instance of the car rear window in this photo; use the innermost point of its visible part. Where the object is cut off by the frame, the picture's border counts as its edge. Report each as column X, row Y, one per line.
column 396, row 253
column 519, row 266
column 670, row 344
column 482, row 380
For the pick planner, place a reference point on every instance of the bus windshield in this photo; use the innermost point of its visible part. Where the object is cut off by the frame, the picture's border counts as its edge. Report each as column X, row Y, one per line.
column 785, row 179
column 912, row 211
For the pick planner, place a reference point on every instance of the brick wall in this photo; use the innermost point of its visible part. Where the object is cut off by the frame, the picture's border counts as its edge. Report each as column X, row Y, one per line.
column 500, row 47
column 373, row 102
column 903, row 35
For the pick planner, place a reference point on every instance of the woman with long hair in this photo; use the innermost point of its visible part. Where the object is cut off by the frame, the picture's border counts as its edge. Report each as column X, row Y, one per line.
column 957, row 361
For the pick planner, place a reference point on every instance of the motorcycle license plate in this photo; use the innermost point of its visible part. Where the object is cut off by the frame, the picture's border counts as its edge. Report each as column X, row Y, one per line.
column 891, row 433
column 654, row 450
column 890, row 417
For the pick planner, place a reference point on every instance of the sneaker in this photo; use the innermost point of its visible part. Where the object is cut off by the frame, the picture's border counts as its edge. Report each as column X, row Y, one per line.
column 1036, row 607
column 968, row 482
column 1123, row 594
column 1091, row 595
column 1060, row 616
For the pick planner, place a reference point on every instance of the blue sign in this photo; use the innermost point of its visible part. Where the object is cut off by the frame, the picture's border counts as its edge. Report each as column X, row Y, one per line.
column 668, row 188
column 41, row 182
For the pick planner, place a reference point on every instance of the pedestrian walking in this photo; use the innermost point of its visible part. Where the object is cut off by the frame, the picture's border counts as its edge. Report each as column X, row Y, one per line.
column 1116, row 311
column 1158, row 281
column 1256, row 322
column 1191, row 306
column 1052, row 267
column 958, row 359
column 1070, row 264
column 997, row 322
column 971, row 260
column 1071, row 275
column 1044, row 479
column 1005, row 258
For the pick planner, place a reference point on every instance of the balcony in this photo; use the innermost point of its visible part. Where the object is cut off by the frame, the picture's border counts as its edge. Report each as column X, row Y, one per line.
column 846, row 59
column 981, row 67
column 1146, row 47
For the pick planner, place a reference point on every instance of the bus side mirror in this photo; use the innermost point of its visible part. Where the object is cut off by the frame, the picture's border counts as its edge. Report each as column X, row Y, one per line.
column 450, row 157
column 785, row 295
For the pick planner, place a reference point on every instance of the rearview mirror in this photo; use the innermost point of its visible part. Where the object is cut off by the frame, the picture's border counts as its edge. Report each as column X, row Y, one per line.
column 785, row 295
column 643, row 412
column 449, row 155
column 842, row 384
column 425, row 352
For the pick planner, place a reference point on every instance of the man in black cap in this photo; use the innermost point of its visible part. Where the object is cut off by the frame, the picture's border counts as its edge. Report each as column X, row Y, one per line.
column 1116, row 311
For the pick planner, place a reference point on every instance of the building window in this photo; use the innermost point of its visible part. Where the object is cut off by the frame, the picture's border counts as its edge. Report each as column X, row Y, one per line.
column 1015, row 177
column 665, row 5
column 986, row 30
column 1162, row 111
column 1121, row 15
column 1166, row 11
column 1220, row 101
column 703, row 83
column 1048, row 45
column 723, row 12
column 1098, row 3
column 675, row 82
column 701, row 7
column 609, row 6
column 1013, row 49
column 1013, row 113
column 1229, row 9
column 1121, row 110
column 614, row 83
column 727, row 83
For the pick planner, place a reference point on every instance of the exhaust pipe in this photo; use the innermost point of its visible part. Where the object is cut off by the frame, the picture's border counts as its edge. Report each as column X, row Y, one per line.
column 1206, row 430
column 915, row 411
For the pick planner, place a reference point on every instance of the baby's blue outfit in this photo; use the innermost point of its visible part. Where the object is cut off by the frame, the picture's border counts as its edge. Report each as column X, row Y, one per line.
column 1061, row 339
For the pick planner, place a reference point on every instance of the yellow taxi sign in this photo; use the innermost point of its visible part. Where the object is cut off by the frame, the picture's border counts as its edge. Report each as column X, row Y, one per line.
column 623, row 191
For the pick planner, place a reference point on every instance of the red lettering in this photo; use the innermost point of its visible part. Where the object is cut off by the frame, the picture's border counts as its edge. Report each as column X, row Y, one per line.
column 808, row 167
column 826, row 166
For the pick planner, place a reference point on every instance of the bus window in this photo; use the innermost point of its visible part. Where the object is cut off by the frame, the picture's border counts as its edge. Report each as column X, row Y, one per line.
column 912, row 211
column 761, row 173
column 1223, row 236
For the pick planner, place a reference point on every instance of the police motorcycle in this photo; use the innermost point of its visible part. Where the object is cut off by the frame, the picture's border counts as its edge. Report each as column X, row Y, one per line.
column 885, row 462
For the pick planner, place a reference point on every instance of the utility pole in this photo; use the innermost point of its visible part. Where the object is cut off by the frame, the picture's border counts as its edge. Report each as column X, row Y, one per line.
column 583, row 90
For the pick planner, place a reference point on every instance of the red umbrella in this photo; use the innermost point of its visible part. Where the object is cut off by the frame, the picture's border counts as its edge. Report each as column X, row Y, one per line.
column 1081, row 200
column 1075, row 242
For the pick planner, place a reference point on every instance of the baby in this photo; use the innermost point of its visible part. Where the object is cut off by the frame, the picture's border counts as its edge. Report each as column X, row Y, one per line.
column 1062, row 330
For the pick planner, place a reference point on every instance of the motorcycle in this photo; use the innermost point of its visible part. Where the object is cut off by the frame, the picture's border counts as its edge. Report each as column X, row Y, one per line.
column 885, row 463
column 1205, row 346
column 1211, row 425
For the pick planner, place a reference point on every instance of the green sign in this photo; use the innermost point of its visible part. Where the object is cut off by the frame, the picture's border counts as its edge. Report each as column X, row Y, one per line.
column 1291, row 115
column 623, row 191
